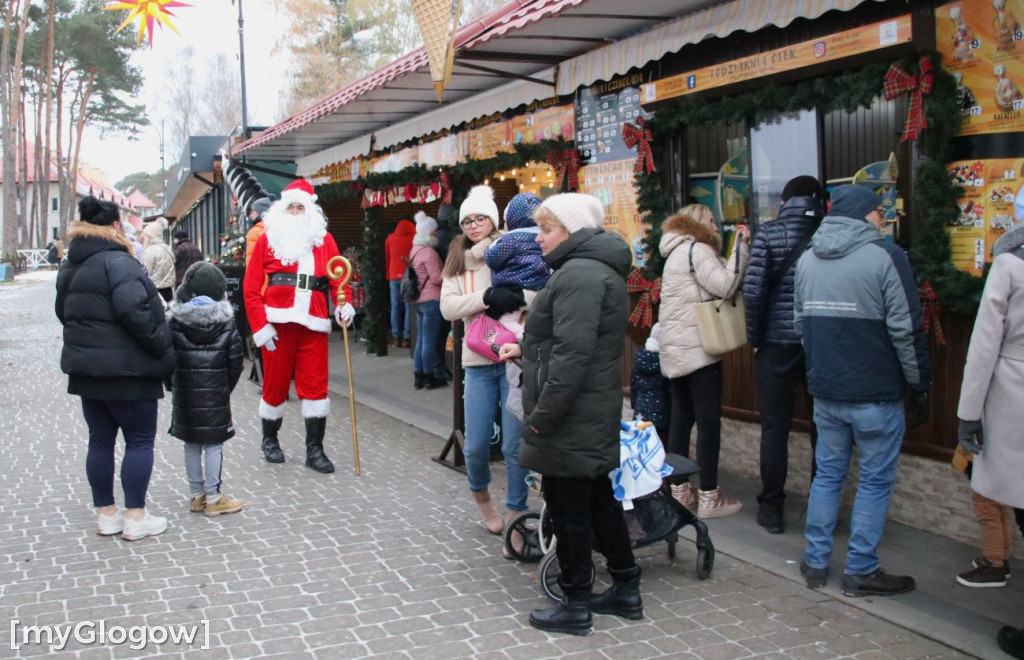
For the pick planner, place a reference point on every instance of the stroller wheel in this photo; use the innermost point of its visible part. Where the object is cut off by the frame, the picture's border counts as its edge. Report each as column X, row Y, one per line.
column 672, row 540
column 527, row 524
column 705, row 561
column 550, row 571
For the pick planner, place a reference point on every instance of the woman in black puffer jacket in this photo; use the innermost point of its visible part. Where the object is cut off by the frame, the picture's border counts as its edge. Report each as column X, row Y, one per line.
column 208, row 364
column 572, row 399
column 117, row 352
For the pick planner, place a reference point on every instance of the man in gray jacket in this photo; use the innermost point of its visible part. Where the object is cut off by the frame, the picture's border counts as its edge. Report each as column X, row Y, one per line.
column 859, row 313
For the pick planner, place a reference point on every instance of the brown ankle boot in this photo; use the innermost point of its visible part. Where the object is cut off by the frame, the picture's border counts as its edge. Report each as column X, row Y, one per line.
column 491, row 518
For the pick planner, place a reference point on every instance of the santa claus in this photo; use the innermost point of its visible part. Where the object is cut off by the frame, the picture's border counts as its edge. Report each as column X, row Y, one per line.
column 290, row 318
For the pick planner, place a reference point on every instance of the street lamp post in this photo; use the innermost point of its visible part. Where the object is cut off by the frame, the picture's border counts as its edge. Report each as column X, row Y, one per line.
column 163, row 171
column 241, row 64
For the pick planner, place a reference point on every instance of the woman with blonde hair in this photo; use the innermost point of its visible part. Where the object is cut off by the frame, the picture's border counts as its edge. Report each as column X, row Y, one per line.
column 695, row 272
column 466, row 293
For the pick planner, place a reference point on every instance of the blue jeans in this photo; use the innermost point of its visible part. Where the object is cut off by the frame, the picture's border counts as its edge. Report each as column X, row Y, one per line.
column 485, row 390
column 428, row 322
column 401, row 317
column 137, row 421
column 198, row 482
column 877, row 431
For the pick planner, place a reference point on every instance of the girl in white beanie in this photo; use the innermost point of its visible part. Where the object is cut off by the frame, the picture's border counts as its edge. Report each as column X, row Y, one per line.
column 466, row 293
column 158, row 258
column 424, row 260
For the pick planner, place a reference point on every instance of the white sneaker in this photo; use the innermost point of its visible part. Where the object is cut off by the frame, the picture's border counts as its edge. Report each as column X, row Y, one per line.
column 150, row 525
column 110, row 525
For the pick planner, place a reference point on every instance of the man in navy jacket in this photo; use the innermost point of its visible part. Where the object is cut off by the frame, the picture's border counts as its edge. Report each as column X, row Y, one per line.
column 859, row 313
column 778, row 355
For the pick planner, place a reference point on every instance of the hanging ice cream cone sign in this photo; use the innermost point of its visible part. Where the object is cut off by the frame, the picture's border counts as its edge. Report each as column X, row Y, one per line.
column 438, row 21
column 149, row 13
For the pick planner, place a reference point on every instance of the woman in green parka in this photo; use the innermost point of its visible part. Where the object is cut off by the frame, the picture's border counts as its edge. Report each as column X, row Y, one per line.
column 572, row 398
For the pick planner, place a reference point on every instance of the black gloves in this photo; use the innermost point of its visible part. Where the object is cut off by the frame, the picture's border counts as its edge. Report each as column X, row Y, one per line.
column 503, row 299
column 971, row 435
column 916, row 408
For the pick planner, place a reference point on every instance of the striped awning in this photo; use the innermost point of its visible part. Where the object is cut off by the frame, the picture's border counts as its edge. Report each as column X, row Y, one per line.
column 718, row 21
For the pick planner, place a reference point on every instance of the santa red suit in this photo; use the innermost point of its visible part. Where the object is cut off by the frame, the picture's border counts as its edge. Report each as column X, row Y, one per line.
column 290, row 318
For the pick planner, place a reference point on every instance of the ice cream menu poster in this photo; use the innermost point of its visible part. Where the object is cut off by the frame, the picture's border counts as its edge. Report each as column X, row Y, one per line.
column 986, row 208
column 612, row 183
column 601, row 109
column 982, row 44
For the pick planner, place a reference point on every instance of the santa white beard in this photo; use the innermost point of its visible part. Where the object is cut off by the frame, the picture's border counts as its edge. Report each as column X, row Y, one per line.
column 292, row 236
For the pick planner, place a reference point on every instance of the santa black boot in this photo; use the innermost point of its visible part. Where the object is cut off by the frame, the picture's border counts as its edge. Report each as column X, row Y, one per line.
column 315, row 457
column 271, row 447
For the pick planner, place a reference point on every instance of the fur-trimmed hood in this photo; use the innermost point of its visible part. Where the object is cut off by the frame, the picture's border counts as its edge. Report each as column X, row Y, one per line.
column 678, row 229
column 200, row 323
column 86, row 239
column 1009, row 241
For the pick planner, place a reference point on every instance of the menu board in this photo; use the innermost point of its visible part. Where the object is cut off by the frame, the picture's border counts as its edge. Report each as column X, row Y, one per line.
column 601, row 109
column 612, row 184
column 547, row 124
column 487, row 141
column 986, row 208
column 980, row 42
column 440, row 152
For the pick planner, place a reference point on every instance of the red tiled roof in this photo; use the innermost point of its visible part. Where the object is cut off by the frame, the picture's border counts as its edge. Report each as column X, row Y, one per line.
column 515, row 14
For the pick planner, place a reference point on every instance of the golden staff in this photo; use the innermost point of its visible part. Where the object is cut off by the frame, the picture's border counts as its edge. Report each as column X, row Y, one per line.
column 340, row 270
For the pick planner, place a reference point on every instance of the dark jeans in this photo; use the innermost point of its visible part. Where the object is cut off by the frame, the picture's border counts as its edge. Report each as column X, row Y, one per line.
column 697, row 398
column 428, row 317
column 137, row 420
column 779, row 368
column 582, row 511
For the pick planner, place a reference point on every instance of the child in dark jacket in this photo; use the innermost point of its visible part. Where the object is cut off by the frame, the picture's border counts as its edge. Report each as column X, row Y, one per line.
column 648, row 388
column 208, row 364
column 515, row 258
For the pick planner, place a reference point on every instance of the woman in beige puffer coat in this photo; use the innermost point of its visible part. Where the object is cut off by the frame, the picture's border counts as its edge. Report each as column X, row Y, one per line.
column 695, row 378
column 158, row 258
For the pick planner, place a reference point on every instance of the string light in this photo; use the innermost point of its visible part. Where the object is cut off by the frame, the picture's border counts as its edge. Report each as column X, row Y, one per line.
column 501, row 178
column 513, row 171
column 487, row 182
column 533, row 179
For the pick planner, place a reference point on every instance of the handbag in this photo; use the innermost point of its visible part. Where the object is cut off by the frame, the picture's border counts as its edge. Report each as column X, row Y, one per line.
column 722, row 324
column 485, row 336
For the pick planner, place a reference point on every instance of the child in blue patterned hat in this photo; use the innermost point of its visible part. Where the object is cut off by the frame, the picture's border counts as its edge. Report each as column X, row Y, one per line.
column 515, row 258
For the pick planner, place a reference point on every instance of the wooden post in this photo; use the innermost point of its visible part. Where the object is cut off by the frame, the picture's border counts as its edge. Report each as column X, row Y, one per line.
column 457, row 438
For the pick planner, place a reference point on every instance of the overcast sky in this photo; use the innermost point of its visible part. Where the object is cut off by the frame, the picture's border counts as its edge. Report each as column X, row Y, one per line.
column 211, row 27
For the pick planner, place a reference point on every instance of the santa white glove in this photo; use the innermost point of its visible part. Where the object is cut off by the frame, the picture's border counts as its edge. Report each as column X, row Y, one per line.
column 344, row 314
column 265, row 337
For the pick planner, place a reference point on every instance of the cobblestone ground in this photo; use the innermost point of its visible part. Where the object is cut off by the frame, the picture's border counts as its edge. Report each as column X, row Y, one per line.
column 390, row 564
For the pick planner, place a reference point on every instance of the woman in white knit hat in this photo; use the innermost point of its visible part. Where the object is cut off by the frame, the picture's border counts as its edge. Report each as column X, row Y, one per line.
column 466, row 293
column 572, row 400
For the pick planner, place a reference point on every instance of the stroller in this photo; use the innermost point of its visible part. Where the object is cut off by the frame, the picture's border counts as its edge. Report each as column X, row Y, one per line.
column 655, row 517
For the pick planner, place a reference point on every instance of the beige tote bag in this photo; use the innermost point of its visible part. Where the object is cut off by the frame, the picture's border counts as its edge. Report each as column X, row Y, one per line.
column 722, row 323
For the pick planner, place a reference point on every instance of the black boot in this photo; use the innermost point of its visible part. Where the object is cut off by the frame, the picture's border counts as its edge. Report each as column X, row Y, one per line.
column 315, row 457
column 623, row 599
column 571, row 616
column 432, row 382
column 1011, row 641
column 418, row 379
column 271, row 447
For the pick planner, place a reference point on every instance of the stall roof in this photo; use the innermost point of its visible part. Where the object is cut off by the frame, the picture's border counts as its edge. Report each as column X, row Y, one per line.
column 553, row 46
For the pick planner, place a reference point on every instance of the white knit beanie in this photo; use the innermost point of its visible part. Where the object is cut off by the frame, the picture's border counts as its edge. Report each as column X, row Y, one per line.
column 480, row 201
column 425, row 225
column 576, row 211
column 155, row 228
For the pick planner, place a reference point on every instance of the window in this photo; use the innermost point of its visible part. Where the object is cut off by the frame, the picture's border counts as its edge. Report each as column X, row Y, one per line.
column 53, row 203
column 780, row 150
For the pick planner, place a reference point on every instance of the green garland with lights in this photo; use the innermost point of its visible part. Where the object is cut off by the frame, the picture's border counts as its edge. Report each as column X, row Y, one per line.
column 461, row 177
column 934, row 198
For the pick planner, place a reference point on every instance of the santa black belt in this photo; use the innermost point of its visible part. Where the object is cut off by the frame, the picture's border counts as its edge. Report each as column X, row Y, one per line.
column 300, row 281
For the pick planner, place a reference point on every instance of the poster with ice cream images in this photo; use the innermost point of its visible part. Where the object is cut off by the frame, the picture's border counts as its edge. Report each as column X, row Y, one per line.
column 612, row 183
column 986, row 208
column 982, row 45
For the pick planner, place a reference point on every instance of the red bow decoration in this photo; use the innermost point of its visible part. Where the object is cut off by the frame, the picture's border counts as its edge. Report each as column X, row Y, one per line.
column 640, row 136
column 650, row 295
column 932, row 311
column 898, row 81
column 446, row 188
column 565, row 161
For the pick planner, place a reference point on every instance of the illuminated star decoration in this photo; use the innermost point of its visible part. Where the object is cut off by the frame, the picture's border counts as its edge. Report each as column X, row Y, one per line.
column 148, row 13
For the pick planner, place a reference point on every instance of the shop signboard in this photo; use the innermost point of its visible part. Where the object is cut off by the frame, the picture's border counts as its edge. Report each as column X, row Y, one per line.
column 601, row 109
column 546, row 124
column 833, row 47
column 612, row 184
column 986, row 208
column 335, row 172
column 982, row 45
column 442, row 152
column 396, row 161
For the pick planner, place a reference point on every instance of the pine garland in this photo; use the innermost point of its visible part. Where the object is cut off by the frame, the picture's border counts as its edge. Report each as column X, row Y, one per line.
column 935, row 196
column 371, row 259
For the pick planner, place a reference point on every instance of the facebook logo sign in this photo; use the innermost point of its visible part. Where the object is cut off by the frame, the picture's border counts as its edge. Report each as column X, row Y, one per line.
column 691, row 81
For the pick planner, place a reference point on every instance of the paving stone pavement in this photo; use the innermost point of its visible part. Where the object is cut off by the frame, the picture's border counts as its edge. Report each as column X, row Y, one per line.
column 390, row 564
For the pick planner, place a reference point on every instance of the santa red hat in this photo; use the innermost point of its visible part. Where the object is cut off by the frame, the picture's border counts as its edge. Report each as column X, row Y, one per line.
column 300, row 191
